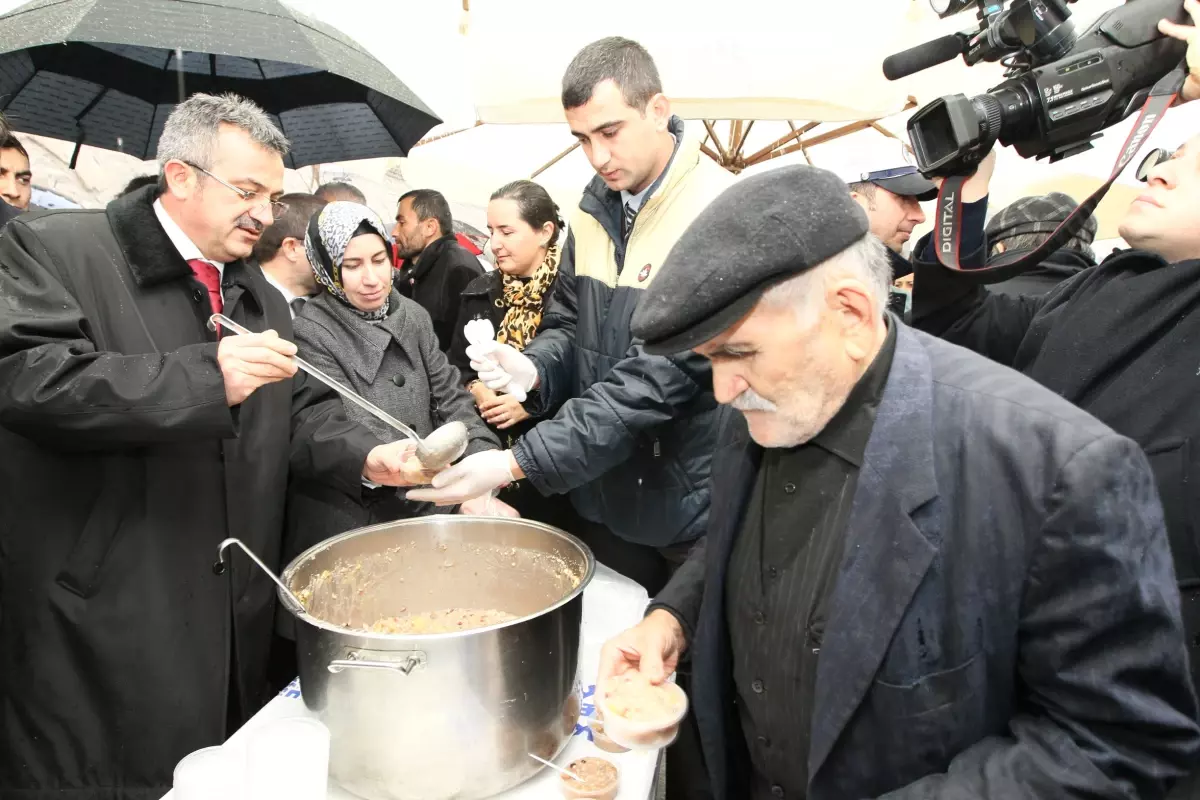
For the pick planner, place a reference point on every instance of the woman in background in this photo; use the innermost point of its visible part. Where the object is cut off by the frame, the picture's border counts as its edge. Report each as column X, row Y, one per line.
column 525, row 227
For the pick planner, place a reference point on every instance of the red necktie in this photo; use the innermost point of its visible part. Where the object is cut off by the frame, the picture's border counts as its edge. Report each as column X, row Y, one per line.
column 208, row 275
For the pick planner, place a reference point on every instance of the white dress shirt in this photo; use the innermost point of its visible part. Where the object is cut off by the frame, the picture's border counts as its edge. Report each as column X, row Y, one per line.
column 186, row 247
column 288, row 297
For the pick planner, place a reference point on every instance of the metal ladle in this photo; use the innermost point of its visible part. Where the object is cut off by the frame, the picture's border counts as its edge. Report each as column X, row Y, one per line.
column 440, row 449
column 289, row 598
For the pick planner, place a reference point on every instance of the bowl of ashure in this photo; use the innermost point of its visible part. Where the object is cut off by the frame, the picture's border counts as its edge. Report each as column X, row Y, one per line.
column 591, row 777
column 441, row 652
column 639, row 714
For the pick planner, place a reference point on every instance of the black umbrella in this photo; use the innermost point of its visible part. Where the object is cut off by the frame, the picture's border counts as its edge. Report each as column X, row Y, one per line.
column 107, row 73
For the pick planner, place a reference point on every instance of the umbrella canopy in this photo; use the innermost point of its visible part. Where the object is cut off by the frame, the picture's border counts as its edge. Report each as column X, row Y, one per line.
column 107, row 73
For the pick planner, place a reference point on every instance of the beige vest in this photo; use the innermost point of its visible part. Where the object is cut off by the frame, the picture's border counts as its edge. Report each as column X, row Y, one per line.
column 691, row 183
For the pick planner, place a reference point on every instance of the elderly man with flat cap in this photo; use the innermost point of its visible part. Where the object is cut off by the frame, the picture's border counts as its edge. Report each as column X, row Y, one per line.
column 925, row 576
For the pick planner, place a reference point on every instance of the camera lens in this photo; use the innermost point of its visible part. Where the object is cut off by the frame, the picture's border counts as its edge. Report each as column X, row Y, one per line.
column 1016, row 108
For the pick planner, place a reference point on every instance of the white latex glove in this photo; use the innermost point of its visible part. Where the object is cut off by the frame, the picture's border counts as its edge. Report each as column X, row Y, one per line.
column 468, row 479
column 503, row 368
column 481, row 338
column 488, row 506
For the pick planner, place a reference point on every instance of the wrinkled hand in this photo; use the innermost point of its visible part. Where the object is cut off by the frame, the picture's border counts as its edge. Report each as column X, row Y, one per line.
column 503, row 368
column 488, row 505
column 396, row 464
column 652, row 647
column 503, row 411
column 252, row 360
column 1191, row 35
column 473, row 476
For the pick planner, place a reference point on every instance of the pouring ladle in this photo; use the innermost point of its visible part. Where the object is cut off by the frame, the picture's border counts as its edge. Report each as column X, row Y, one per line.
column 289, row 597
column 439, row 449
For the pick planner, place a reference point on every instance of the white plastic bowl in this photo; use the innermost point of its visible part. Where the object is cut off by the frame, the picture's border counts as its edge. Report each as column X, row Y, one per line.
column 642, row 734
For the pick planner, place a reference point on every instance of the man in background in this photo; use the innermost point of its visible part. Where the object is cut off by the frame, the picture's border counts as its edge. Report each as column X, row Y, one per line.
column 281, row 254
column 437, row 267
column 338, row 190
column 1020, row 228
column 16, row 177
column 7, row 211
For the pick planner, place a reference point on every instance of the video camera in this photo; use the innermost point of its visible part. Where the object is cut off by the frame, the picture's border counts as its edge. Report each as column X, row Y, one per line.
column 1061, row 88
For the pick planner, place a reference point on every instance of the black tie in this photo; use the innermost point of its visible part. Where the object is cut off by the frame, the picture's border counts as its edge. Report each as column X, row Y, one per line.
column 630, row 215
column 297, row 306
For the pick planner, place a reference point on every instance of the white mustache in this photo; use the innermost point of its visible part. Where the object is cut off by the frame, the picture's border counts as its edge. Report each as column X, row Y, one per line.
column 751, row 400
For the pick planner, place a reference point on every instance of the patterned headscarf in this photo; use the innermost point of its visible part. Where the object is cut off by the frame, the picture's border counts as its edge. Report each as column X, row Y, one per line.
column 329, row 233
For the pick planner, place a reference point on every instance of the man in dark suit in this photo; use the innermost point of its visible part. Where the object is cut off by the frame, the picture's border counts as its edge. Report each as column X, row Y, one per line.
column 437, row 268
column 925, row 576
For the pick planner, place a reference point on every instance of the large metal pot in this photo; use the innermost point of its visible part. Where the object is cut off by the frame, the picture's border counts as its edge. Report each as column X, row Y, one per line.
column 454, row 715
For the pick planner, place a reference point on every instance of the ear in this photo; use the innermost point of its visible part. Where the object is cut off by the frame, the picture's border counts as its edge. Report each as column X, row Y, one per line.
column 547, row 233
column 863, row 201
column 429, row 227
column 998, row 248
column 852, row 302
column 182, row 181
column 660, row 110
column 293, row 249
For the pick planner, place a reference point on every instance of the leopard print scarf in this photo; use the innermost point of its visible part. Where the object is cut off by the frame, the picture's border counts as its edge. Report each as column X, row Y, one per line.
column 524, row 300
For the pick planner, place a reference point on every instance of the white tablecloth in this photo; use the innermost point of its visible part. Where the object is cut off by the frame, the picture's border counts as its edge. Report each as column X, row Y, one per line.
column 611, row 603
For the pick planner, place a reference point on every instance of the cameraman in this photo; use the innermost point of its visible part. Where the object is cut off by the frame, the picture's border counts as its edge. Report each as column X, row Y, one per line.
column 1119, row 340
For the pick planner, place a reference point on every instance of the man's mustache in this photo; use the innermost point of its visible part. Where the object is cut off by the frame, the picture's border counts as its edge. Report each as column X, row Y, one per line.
column 751, row 400
column 249, row 223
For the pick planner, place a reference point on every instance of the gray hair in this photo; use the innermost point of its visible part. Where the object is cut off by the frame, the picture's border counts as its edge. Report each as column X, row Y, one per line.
column 190, row 133
column 866, row 259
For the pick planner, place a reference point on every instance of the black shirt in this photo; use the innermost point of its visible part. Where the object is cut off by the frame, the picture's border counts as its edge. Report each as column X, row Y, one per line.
column 781, row 572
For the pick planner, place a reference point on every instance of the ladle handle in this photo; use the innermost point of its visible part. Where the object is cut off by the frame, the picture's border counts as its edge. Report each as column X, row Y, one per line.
column 415, row 659
column 290, row 599
column 344, row 391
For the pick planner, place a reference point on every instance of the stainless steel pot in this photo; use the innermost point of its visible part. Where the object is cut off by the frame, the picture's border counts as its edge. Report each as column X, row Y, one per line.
column 454, row 715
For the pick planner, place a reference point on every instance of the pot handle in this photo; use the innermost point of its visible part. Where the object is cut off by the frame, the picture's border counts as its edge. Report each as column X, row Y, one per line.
column 414, row 659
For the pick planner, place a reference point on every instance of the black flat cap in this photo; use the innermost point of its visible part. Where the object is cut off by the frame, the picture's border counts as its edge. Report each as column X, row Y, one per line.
column 762, row 230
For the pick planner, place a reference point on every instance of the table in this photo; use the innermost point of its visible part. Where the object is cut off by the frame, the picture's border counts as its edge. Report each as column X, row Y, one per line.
column 611, row 603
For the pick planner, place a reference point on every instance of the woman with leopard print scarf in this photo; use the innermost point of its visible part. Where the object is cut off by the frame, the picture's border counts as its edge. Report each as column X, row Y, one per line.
column 525, row 226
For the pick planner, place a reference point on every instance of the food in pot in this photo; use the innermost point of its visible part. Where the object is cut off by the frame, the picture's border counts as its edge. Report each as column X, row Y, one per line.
column 446, row 620
column 641, row 714
column 598, row 779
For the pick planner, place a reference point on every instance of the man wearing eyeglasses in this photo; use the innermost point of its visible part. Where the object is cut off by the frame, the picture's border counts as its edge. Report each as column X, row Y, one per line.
column 135, row 440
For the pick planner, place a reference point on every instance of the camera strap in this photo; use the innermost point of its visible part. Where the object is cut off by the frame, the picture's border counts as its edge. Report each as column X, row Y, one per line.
column 947, row 232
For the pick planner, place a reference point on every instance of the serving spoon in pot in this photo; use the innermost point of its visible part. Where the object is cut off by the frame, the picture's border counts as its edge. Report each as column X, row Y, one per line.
column 437, row 450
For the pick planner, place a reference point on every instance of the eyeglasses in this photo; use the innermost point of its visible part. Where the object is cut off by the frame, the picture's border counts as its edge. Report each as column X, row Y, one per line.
column 256, row 199
column 1152, row 160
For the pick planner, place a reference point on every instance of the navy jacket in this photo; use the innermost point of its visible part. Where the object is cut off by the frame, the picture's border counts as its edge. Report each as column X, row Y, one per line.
column 1005, row 622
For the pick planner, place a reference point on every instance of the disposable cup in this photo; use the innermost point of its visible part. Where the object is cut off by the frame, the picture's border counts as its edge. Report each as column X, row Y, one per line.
column 642, row 733
column 288, row 759
column 213, row 773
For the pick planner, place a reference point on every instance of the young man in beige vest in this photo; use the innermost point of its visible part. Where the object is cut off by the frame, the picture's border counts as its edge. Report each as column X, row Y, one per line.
column 633, row 434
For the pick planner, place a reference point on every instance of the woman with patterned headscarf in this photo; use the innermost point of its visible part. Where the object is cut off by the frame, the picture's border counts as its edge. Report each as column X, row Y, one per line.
column 361, row 332
column 524, row 225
